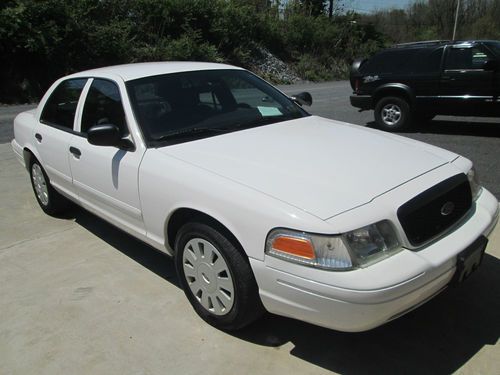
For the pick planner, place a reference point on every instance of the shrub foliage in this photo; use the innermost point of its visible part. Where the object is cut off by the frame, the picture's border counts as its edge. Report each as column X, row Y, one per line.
column 41, row 40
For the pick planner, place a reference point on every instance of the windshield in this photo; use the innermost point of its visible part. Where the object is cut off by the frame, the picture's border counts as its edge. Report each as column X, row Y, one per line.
column 178, row 107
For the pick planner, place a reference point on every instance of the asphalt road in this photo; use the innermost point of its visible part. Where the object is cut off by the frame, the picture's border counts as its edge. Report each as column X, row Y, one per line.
column 475, row 138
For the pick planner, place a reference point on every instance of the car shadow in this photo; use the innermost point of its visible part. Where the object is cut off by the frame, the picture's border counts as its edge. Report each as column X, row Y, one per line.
column 437, row 338
column 147, row 256
column 450, row 127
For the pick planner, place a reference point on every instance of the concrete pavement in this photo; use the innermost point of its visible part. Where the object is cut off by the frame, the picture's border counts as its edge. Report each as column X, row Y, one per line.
column 78, row 296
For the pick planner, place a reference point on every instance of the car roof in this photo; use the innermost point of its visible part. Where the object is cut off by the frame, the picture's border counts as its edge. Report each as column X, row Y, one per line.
column 130, row 72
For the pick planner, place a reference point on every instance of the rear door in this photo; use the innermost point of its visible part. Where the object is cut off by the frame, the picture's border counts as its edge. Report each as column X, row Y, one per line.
column 466, row 88
column 105, row 177
column 426, row 73
column 54, row 130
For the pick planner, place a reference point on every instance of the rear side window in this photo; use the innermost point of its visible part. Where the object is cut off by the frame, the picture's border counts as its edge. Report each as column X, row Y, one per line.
column 103, row 105
column 428, row 61
column 387, row 62
column 60, row 108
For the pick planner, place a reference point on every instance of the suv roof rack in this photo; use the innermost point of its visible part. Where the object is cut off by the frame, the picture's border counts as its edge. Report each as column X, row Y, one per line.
column 420, row 44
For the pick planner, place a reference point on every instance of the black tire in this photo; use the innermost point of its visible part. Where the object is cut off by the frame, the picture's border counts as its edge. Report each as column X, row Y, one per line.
column 392, row 114
column 52, row 203
column 246, row 305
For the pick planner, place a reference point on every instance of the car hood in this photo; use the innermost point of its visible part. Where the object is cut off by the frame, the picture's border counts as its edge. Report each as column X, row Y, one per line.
column 321, row 166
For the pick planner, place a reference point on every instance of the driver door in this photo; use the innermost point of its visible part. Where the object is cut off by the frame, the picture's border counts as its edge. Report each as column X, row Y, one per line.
column 106, row 178
column 466, row 86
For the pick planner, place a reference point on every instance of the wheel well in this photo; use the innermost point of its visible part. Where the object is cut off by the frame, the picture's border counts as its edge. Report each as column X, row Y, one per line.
column 186, row 215
column 28, row 155
column 400, row 93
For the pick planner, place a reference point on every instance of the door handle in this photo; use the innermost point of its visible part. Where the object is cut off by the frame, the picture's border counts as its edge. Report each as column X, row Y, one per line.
column 38, row 137
column 75, row 151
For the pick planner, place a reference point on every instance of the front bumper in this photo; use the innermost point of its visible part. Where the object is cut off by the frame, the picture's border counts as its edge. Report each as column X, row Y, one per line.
column 363, row 102
column 403, row 281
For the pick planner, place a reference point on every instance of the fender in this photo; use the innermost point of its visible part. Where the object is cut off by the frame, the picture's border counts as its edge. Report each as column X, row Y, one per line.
column 394, row 88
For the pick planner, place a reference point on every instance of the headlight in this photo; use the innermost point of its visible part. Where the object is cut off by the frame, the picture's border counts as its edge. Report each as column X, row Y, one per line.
column 475, row 186
column 373, row 242
column 358, row 248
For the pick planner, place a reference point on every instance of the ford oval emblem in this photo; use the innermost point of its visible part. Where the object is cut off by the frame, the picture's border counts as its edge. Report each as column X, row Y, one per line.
column 447, row 208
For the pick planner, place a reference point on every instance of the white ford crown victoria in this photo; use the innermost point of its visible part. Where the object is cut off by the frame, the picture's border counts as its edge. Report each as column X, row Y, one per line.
column 263, row 206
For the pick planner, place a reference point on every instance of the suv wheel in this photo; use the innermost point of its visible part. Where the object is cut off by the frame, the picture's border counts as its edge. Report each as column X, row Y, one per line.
column 392, row 113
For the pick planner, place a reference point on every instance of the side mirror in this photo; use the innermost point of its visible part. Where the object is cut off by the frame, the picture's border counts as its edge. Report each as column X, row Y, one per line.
column 304, row 98
column 107, row 135
column 491, row 65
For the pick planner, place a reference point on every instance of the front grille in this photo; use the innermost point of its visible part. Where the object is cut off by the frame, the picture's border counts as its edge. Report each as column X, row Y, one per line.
column 435, row 210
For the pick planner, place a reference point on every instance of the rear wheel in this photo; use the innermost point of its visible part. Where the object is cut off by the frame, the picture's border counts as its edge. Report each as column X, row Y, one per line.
column 50, row 201
column 216, row 277
column 392, row 113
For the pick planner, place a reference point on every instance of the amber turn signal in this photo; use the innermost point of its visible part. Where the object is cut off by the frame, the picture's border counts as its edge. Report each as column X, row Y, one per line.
column 294, row 246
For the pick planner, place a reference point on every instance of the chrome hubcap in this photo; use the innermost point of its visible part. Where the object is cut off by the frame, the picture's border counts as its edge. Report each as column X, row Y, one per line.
column 208, row 276
column 40, row 184
column 391, row 114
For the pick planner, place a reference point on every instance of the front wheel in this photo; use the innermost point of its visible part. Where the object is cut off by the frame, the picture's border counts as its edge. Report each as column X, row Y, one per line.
column 392, row 114
column 216, row 277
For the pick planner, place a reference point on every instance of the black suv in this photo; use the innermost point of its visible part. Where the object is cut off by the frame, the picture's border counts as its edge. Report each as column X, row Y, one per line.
column 413, row 82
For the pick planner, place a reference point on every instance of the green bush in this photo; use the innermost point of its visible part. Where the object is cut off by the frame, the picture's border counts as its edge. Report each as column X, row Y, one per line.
column 42, row 40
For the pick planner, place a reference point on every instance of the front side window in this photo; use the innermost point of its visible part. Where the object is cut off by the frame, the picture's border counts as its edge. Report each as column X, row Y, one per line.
column 103, row 105
column 60, row 108
column 495, row 47
column 203, row 103
column 467, row 58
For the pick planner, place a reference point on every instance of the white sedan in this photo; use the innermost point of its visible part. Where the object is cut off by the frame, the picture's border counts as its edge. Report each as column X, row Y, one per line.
column 262, row 206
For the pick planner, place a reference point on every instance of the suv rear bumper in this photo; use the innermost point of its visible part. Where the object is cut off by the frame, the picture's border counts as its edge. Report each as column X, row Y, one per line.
column 362, row 102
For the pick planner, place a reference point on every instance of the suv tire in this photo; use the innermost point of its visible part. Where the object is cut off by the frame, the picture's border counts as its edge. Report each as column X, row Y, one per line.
column 392, row 114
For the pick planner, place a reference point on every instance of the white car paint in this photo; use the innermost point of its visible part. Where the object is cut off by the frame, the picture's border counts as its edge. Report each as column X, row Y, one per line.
column 310, row 174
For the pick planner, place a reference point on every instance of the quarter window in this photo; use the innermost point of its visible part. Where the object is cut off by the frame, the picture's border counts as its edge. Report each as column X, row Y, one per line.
column 60, row 108
column 103, row 105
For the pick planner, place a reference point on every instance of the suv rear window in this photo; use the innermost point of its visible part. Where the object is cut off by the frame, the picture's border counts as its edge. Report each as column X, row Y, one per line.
column 404, row 61
column 390, row 61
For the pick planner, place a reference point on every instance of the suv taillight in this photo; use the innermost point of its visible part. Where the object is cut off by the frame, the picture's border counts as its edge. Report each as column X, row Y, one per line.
column 356, row 85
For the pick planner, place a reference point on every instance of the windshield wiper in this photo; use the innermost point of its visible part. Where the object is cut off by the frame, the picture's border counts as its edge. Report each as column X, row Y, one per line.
column 186, row 132
column 261, row 121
